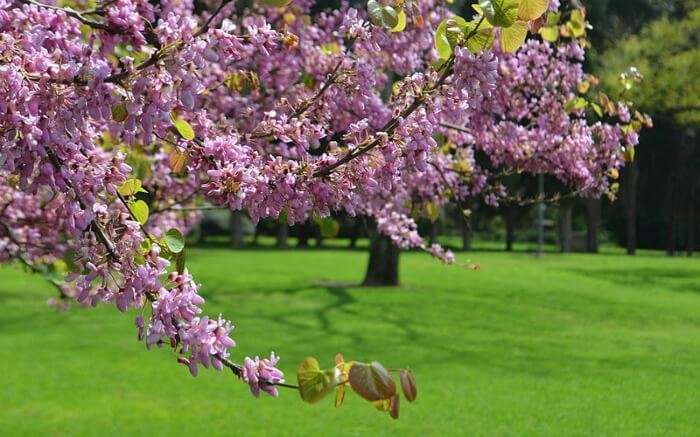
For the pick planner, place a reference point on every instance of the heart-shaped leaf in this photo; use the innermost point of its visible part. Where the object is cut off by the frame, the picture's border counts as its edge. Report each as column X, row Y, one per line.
column 532, row 9
column 513, row 37
column 394, row 406
column 408, row 385
column 131, row 187
column 183, row 128
column 314, row 383
column 371, row 381
column 174, row 240
column 140, row 211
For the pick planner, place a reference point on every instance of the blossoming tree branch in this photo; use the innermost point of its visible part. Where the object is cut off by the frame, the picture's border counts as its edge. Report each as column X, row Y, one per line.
column 120, row 118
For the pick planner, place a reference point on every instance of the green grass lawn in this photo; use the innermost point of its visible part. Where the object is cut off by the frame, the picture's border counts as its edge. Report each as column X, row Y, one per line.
column 563, row 345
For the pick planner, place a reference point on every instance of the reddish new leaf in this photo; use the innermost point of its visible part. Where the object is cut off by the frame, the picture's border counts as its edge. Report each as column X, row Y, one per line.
column 371, row 381
column 408, row 385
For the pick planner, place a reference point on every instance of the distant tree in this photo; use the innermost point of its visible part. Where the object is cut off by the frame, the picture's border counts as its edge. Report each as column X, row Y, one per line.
column 666, row 53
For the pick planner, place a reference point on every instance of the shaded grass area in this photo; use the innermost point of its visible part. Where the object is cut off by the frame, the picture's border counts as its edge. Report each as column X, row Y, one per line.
column 563, row 345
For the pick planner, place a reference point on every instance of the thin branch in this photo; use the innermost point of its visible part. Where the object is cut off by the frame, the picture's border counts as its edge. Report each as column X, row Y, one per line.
column 205, row 28
column 391, row 126
column 30, row 265
column 78, row 16
column 237, row 370
column 94, row 226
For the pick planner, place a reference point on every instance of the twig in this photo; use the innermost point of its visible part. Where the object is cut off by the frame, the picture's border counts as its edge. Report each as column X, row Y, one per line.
column 391, row 126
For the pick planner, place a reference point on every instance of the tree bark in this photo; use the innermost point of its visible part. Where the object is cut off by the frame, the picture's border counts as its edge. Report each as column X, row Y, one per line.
column 690, row 237
column 383, row 266
column 466, row 233
column 282, row 234
column 565, row 227
column 236, row 229
column 509, row 217
column 355, row 231
column 304, row 234
column 630, row 193
column 593, row 207
column 432, row 232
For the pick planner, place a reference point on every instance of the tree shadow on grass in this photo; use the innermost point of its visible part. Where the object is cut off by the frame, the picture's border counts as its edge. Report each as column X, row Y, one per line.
column 325, row 316
column 672, row 279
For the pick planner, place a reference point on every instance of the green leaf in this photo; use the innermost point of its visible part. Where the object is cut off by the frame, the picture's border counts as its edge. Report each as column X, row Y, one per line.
column 408, row 385
column 140, row 211
column 513, row 37
column 182, row 127
column 314, row 383
column 553, row 18
column 532, row 9
column 501, row 13
column 445, row 44
column 597, row 109
column 119, row 112
column 550, row 33
column 274, row 3
column 131, row 187
column 577, row 24
column 575, row 104
column 329, row 227
column 401, row 24
column 174, row 240
column 380, row 15
column 371, row 381
column 482, row 39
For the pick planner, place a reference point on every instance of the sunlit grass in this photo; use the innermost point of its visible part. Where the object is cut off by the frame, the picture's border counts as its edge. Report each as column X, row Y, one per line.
column 563, row 345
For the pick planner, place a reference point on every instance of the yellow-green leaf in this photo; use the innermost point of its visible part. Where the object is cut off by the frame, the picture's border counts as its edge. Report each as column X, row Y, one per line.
column 532, row 9
column 550, row 33
column 401, row 24
column 314, row 383
column 130, row 187
column 182, row 127
column 140, row 211
column 513, row 37
column 274, row 3
column 501, row 13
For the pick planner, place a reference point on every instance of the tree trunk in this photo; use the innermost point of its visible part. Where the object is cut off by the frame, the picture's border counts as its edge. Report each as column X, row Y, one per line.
column 319, row 236
column 432, row 232
column 466, row 233
column 509, row 216
column 671, row 197
column 565, row 228
column 690, row 237
column 689, row 172
column 383, row 267
column 282, row 233
column 304, row 234
column 236, row 229
column 355, row 231
column 593, row 207
column 256, row 234
column 630, row 193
